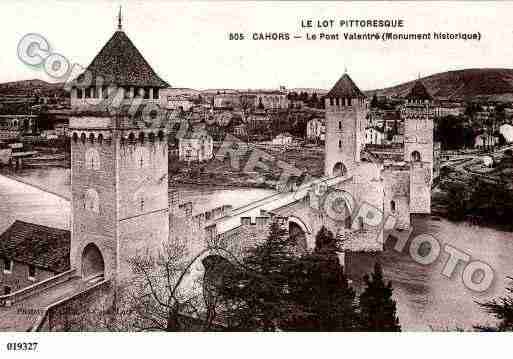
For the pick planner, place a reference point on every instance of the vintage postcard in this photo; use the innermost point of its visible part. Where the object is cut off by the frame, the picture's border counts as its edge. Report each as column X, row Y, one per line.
column 255, row 167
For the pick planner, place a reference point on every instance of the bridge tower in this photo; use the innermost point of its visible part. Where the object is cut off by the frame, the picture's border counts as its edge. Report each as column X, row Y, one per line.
column 418, row 116
column 119, row 162
column 346, row 113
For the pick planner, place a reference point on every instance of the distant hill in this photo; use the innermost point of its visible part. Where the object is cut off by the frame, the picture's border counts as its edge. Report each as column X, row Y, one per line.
column 28, row 88
column 470, row 84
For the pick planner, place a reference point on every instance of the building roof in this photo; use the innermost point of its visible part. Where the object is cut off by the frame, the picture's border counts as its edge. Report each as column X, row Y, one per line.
column 345, row 87
column 120, row 63
column 34, row 244
column 196, row 135
column 284, row 134
column 419, row 92
column 16, row 108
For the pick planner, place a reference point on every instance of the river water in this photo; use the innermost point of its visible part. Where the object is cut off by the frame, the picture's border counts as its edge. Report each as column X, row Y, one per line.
column 426, row 299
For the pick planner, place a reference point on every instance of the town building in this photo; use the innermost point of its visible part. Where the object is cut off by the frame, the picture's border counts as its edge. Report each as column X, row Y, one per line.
column 506, row 130
column 485, row 114
column 177, row 98
column 485, row 140
column 31, row 253
column 179, row 102
column 374, row 135
column 17, row 119
column 315, row 129
column 270, row 100
column 227, row 100
column 445, row 109
column 195, row 146
column 5, row 153
column 283, row 139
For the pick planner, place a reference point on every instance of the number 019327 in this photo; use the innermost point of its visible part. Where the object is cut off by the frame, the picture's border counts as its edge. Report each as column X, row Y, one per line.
column 22, row 346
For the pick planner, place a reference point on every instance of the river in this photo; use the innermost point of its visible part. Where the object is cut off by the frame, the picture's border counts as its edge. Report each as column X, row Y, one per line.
column 425, row 298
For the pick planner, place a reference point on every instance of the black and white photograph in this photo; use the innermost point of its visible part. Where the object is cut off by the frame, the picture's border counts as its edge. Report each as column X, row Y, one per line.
column 242, row 166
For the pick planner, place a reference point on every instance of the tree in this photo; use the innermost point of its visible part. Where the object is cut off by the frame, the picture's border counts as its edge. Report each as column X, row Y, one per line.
column 318, row 286
column 256, row 295
column 260, row 104
column 456, row 200
column 157, row 297
column 377, row 308
column 374, row 101
column 502, row 309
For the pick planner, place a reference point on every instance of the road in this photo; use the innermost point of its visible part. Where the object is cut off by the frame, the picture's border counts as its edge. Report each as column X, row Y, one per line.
column 23, row 315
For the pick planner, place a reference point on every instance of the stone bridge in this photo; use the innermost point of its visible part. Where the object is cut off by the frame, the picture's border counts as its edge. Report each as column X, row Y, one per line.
column 331, row 202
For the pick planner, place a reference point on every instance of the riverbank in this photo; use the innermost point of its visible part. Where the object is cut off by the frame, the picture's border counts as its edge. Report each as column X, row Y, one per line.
column 30, row 182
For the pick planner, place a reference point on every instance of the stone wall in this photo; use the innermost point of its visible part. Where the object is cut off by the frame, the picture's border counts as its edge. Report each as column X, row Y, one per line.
column 347, row 125
column 18, row 278
column 397, row 190
column 87, row 311
column 90, row 226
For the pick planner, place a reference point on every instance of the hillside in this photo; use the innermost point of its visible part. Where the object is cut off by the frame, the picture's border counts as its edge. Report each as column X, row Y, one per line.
column 28, row 88
column 469, row 84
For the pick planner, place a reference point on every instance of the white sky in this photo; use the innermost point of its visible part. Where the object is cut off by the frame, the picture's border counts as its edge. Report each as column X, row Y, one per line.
column 187, row 42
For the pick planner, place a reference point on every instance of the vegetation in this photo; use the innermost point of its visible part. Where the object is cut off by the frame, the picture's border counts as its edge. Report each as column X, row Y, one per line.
column 277, row 290
column 491, row 201
column 378, row 309
column 453, row 134
column 502, row 309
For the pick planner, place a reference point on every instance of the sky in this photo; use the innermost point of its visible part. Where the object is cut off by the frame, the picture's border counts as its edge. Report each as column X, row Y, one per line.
column 187, row 43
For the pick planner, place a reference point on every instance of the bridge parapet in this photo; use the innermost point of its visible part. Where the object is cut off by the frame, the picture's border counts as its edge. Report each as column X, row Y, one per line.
column 73, row 310
column 14, row 297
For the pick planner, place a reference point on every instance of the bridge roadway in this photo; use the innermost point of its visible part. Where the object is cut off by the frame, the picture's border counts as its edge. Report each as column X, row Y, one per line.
column 270, row 203
column 25, row 314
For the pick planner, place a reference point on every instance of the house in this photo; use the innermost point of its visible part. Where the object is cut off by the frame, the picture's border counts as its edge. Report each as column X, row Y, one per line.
column 398, row 139
column 30, row 253
column 485, row 140
column 195, row 146
column 374, row 136
column 283, row 139
column 487, row 161
column 49, row 134
column 5, row 154
column 315, row 129
column 16, row 119
column 227, row 100
column 61, row 129
column 175, row 98
column 240, row 130
column 270, row 99
column 506, row 130
column 179, row 102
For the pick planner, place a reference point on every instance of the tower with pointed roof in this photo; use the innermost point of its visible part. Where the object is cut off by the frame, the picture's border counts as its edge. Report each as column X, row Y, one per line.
column 418, row 116
column 118, row 75
column 346, row 112
column 119, row 162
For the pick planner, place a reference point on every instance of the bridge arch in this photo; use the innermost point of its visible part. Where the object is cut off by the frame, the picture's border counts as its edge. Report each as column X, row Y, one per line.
column 339, row 169
column 301, row 232
column 217, row 270
column 415, row 156
column 92, row 261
